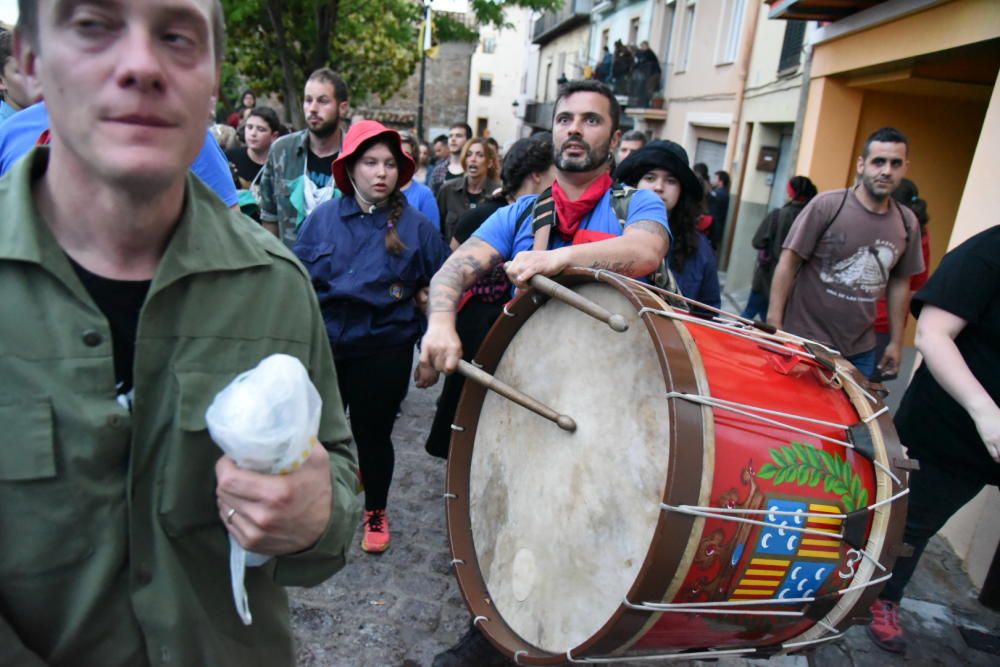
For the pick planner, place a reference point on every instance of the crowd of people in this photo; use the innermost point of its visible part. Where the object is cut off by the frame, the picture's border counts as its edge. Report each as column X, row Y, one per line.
column 633, row 71
column 148, row 267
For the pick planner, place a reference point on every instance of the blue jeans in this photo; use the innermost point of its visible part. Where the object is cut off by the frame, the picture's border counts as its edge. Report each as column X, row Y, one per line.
column 756, row 306
column 865, row 362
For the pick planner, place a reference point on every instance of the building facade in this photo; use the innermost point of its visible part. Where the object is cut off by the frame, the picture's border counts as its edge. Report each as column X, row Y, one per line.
column 703, row 76
column 563, row 40
column 497, row 77
column 446, row 98
column 764, row 156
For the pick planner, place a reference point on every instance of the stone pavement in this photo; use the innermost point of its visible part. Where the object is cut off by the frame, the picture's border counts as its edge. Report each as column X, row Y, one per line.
column 403, row 607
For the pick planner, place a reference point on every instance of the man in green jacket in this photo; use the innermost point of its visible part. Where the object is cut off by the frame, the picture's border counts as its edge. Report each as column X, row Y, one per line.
column 131, row 297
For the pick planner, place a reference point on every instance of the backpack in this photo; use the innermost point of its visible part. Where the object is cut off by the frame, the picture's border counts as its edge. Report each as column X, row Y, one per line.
column 543, row 213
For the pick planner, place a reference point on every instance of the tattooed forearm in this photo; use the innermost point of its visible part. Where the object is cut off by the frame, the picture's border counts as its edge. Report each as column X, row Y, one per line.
column 624, row 268
column 473, row 260
column 651, row 227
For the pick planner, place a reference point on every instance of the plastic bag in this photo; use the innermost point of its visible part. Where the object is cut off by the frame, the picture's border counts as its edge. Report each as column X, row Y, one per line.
column 266, row 420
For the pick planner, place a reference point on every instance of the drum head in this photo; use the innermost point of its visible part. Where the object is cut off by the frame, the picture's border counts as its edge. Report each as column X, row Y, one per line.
column 562, row 522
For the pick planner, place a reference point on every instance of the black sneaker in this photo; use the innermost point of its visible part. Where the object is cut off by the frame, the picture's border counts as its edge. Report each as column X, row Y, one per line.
column 472, row 650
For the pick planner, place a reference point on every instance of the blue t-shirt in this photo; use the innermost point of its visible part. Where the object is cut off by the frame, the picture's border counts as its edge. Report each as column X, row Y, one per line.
column 499, row 228
column 364, row 291
column 6, row 111
column 422, row 199
column 20, row 133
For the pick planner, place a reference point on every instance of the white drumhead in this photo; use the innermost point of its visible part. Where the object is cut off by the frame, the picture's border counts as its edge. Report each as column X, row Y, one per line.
column 561, row 522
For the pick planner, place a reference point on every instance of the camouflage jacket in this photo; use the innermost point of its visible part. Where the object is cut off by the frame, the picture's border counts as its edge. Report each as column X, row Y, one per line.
column 281, row 185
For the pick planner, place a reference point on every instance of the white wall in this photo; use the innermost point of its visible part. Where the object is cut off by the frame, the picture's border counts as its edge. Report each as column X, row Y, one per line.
column 574, row 46
column 506, row 67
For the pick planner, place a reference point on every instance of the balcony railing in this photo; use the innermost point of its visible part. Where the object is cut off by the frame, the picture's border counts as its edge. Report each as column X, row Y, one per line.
column 551, row 24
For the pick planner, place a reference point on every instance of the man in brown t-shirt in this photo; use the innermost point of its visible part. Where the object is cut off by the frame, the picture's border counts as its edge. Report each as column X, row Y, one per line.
column 844, row 250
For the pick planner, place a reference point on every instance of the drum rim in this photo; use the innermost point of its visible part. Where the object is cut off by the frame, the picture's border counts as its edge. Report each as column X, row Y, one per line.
column 893, row 455
column 672, row 533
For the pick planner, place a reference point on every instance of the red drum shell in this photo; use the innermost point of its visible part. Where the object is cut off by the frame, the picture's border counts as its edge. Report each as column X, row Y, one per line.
column 718, row 458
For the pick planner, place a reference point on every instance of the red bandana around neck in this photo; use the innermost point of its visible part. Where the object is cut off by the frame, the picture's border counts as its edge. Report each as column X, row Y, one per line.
column 569, row 214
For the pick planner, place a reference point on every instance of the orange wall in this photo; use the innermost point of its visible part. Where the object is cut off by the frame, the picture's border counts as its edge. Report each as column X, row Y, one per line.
column 829, row 128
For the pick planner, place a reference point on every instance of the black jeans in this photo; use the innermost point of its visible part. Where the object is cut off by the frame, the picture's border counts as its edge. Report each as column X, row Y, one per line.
column 935, row 494
column 372, row 388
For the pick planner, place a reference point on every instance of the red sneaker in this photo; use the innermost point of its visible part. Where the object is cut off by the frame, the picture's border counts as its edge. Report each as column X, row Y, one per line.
column 376, row 538
column 885, row 629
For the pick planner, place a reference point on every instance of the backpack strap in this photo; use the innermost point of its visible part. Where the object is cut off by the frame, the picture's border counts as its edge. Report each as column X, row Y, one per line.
column 543, row 212
column 528, row 210
column 906, row 227
column 621, row 199
column 836, row 213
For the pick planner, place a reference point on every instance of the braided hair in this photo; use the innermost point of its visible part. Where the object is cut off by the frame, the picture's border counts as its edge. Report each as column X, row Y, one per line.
column 397, row 202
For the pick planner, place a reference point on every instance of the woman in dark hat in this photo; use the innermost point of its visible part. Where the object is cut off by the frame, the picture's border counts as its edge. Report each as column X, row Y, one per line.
column 662, row 166
column 369, row 254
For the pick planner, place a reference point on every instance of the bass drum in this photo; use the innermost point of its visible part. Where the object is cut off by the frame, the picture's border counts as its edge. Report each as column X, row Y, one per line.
column 727, row 491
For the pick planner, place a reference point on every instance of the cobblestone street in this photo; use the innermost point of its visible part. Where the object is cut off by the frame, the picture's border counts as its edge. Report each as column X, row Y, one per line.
column 402, row 607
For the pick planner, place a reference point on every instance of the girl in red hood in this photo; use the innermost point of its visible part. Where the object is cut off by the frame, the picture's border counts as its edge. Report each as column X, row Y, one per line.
column 369, row 254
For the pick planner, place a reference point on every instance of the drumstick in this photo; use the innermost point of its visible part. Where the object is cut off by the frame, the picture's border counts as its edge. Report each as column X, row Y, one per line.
column 480, row 376
column 553, row 289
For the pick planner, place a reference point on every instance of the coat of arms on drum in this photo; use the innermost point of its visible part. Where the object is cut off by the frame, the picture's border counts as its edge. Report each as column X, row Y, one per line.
column 797, row 545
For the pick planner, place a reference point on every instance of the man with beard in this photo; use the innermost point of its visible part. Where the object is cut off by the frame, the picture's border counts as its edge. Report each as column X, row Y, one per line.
column 298, row 174
column 450, row 168
column 587, row 232
column 851, row 246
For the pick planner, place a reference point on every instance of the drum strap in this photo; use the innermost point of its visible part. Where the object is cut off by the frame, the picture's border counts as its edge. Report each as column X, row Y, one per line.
column 543, row 215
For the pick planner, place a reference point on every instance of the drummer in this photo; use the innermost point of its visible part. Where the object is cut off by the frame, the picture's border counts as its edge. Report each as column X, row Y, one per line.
column 662, row 166
column 587, row 231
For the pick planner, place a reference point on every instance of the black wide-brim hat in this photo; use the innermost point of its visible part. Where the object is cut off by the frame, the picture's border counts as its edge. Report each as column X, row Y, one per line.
column 660, row 154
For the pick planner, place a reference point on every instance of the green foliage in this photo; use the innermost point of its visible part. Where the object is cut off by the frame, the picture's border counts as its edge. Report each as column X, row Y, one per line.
column 805, row 465
column 275, row 44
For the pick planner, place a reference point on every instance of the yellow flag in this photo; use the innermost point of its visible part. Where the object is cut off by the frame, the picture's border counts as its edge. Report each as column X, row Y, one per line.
column 427, row 46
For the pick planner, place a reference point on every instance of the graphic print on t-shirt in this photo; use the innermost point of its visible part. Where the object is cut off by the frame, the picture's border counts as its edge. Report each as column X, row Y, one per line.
column 867, row 270
column 320, row 168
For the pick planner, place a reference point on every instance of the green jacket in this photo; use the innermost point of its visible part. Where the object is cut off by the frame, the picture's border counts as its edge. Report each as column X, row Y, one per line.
column 113, row 552
column 281, row 180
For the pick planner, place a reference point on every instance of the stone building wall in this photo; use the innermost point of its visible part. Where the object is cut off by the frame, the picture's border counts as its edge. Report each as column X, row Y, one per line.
column 446, row 98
